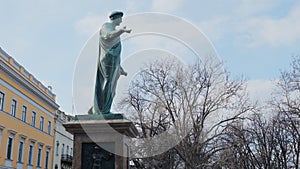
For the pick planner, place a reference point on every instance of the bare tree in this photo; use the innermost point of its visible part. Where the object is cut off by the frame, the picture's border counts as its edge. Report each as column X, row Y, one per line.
column 195, row 102
column 288, row 106
column 261, row 143
column 269, row 142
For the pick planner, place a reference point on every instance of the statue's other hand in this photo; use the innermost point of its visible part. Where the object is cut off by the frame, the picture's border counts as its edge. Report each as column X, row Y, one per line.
column 122, row 72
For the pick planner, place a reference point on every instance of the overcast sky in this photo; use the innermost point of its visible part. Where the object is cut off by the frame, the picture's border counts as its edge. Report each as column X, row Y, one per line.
column 255, row 38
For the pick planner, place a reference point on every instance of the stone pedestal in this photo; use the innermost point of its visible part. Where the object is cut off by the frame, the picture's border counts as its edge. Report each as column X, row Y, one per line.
column 96, row 139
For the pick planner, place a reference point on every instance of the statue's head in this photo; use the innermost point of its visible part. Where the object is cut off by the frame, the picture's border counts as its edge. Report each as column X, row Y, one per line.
column 116, row 16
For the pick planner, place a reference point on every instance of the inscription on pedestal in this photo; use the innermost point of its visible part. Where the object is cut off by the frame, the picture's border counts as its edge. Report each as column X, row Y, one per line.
column 95, row 157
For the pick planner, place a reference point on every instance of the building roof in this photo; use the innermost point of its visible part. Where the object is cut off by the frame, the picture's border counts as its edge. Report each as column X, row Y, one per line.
column 35, row 84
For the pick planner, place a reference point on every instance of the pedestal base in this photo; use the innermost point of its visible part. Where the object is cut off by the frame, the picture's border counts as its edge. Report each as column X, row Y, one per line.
column 104, row 139
column 108, row 116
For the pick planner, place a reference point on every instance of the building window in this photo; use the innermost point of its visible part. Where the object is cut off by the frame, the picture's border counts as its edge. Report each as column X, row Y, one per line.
column 47, row 159
column 2, row 97
column 62, row 149
column 21, row 149
column 24, row 112
column 9, row 148
column 0, row 136
column 13, row 107
column 42, row 123
column 33, row 118
column 49, row 127
column 67, row 150
column 57, row 147
column 39, row 157
column 30, row 154
column 71, row 152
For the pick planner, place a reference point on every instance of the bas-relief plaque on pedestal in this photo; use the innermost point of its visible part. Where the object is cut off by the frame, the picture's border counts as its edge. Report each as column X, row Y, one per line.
column 95, row 157
column 101, row 149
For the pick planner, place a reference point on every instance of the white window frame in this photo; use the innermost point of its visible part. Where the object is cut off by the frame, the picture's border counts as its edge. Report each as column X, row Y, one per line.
column 0, row 137
column 42, row 123
column 12, row 148
column 1, row 131
column 30, row 156
column 2, row 100
column 24, row 113
column 49, row 127
column 22, row 153
column 33, row 118
column 39, row 157
column 13, row 108
column 47, row 158
column 62, row 149
column 57, row 148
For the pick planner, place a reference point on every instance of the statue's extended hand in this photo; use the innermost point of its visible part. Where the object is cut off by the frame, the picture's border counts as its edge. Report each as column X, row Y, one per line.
column 126, row 30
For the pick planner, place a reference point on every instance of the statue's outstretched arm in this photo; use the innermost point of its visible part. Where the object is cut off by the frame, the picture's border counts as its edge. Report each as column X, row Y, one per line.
column 116, row 33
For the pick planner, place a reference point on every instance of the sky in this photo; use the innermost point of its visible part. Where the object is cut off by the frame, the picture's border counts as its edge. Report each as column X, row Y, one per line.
column 255, row 39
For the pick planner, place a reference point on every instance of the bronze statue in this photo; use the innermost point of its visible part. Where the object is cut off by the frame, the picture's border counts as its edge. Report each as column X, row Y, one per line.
column 109, row 68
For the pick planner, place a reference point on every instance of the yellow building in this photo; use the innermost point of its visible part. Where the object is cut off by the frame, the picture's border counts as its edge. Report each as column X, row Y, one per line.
column 27, row 111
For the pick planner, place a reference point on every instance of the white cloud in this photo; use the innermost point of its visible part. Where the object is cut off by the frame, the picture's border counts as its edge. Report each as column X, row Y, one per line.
column 215, row 28
column 252, row 24
column 90, row 24
column 271, row 31
column 167, row 33
column 131, row 5
column 165, row 5
column 261, row 91
column 252, row 7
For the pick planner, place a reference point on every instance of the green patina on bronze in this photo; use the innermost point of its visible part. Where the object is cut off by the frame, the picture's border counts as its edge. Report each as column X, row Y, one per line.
column 108, row 72
column 109, row 69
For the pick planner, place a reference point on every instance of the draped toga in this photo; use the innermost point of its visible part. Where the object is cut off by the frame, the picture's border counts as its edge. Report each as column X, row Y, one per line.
column 108, row 69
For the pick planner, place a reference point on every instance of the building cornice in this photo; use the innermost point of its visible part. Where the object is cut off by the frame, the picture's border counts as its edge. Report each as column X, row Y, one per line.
column 41, row 144
column 30, row 84
column 21, row 136
column 12, row 132
column 64, row 135
column 33, row 141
